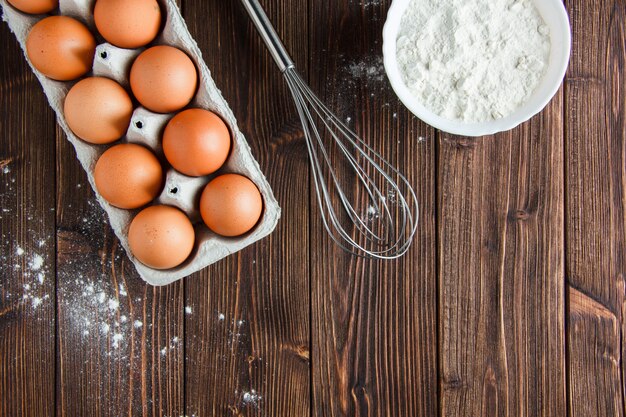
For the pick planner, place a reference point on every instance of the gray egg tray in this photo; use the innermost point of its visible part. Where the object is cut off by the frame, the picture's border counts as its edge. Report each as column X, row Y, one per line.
column 146, row 128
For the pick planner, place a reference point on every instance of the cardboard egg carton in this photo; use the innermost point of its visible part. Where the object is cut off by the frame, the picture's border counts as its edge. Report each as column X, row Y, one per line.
column 146, row 128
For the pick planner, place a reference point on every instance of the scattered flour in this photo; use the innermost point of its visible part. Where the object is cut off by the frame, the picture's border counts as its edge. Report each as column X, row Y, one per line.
column 251, row 398
column 472, row 60
column 36, row 262
column 369, row 69
column 113, row 304
column 117, row 338
column 366, row 3
column 30, row 267
column 372, row 214
column 36, row 301
column 94, row 309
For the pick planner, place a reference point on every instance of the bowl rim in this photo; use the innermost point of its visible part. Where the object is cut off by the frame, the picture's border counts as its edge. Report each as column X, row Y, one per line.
column 560, row 30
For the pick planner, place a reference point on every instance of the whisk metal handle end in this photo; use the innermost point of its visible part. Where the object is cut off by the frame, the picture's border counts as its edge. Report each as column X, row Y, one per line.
column 268, row 34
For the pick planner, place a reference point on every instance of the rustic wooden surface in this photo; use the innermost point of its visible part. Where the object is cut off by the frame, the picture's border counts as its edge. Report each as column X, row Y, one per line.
column 595, row 208
column 511, row 301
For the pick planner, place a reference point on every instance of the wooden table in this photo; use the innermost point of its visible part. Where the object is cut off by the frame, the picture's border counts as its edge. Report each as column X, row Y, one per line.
column 510, row 303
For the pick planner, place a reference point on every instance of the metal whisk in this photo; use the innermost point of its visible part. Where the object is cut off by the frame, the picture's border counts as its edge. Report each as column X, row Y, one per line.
column 385, row 225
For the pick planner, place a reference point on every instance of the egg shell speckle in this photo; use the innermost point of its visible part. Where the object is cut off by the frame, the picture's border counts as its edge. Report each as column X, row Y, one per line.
column 209, row 248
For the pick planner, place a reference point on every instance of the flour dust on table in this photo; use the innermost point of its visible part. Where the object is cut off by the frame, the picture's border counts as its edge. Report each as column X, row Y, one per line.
column 367, row 3
column 473, row 60
column 370, row 68
column 24, row 254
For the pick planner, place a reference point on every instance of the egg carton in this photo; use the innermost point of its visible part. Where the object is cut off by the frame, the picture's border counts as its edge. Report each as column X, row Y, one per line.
column 146, row 128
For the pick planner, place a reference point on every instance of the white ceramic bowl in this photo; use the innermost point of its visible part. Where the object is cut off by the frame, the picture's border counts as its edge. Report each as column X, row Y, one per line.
column 554, row 15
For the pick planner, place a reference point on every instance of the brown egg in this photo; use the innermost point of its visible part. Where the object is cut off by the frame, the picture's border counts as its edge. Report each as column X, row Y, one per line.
column 98, row 110
column 163, row 79
column 61, row 48
column 196, row 142
column 128, row 176
column 161, row 237
column 35, row 6
column 128, row 23
column 231, row 205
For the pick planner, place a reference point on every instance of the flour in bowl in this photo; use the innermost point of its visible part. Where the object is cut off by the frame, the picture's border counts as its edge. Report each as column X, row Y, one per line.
column 472, row 60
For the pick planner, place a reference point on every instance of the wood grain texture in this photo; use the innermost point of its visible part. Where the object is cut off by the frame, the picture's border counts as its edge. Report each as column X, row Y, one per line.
column 27, row 242
column 596, row 207
column 248, row 333
column 510, row 303
column 374, row 331
column 501, row 271
column 594, row 358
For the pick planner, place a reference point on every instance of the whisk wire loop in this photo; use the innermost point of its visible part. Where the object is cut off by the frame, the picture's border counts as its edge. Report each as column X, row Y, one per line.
column 326, row 116
column 386, row 228
column 396, row 233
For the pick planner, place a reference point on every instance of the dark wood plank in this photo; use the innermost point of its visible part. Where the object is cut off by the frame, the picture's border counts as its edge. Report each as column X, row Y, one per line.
column 27, row 224
column 248, row 330
column 501, row 271
column 596, row 207
column 374, row 331
column 594, row 353
column 120, row 341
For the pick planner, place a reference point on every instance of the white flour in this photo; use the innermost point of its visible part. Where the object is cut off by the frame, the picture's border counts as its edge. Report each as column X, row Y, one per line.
column 472, row 60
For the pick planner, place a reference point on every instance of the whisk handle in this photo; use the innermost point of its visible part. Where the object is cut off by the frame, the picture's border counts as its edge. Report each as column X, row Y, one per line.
column 268, row 34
